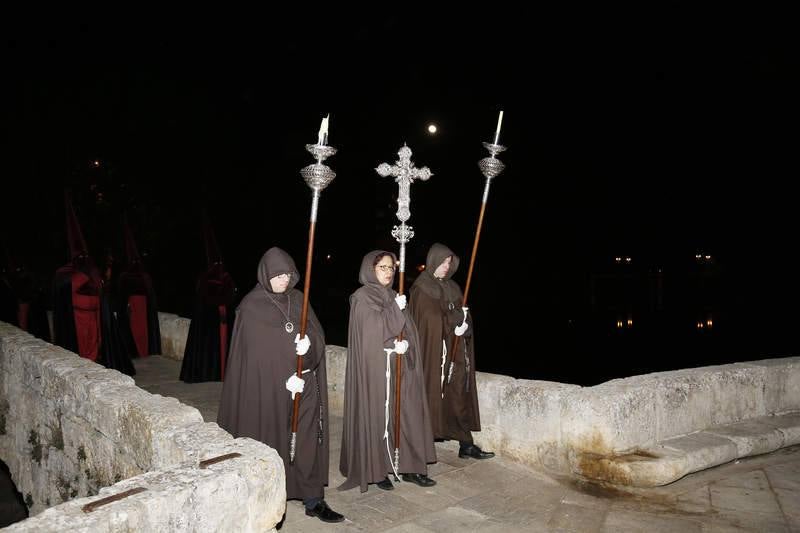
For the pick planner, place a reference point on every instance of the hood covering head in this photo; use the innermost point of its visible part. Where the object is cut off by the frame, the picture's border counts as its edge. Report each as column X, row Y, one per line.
column 445, row 289
column 436, row 256
column 80, row 263
column 273, row 263
column 367, row 277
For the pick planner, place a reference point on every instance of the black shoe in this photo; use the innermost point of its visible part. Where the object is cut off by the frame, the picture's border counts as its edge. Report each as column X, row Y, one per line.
column 324, row 513
column 474, row 452
column 386, row 484
column 420, row 479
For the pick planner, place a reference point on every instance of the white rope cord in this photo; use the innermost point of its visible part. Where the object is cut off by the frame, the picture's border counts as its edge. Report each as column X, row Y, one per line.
column 389, row 352
column 444, row 360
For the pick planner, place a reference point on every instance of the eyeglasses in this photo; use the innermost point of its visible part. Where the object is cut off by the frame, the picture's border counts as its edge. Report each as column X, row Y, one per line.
column 386, row 268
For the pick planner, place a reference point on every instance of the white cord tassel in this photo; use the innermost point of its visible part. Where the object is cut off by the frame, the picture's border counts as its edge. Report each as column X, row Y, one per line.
column 444, row 360
column 389, row 352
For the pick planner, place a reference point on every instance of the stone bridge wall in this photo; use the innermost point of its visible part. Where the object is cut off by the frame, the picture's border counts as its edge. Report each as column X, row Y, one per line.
column 71, row 429
column 547, row 424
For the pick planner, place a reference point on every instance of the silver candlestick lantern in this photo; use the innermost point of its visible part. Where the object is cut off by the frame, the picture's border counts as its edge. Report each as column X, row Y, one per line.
column 317, row 176
column 490, row 167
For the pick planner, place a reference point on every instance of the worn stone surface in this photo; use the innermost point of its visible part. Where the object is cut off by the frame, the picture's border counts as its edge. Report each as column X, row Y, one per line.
column 702, row 450
column 174, row 330
column 72, row 429
column 242, row 494
column 684, row 402
column 673, row 458
column 507, row 496
column 533, row 409
column 336, row 364
column 783, row 376
column 566, row 424
column 788, row 424
column 751, row 437
column 625, row 418
column 615, row 417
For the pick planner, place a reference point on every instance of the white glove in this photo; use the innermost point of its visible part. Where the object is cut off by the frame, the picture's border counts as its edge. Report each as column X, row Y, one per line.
column 401, row 301
column 295, row 385
column 302, row 345
column 463, row 327
column 400, row 347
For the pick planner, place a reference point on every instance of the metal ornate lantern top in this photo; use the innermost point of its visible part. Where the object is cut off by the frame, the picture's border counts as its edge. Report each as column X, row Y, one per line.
column 491, row 166
column 318, row 176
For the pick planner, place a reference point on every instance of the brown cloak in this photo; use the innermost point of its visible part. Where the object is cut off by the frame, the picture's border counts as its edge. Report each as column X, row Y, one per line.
column 435, row 305
column 375, row 321
column 255, row 402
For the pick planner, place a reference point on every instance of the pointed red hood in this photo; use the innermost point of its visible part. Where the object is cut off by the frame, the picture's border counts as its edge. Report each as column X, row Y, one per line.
column 77, row 245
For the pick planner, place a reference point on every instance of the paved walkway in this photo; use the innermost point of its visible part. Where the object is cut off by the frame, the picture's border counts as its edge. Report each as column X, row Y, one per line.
column 755, row 494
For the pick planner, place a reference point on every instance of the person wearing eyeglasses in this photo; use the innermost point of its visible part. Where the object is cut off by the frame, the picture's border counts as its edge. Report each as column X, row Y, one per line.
column 435, row 305
column 261, row 381
column 377, row 319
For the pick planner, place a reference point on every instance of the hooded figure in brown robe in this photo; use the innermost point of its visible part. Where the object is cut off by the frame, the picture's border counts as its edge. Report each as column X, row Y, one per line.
column 435, row 304
column 376, row 320
column 255, row 401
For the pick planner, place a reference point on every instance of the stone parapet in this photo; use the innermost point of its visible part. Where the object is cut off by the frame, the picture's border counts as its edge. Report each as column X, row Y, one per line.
column 623, row 430
column 71, row 429
column 577, row 430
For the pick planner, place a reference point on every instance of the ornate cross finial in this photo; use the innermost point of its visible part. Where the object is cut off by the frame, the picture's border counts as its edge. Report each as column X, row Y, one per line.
column 404, row 173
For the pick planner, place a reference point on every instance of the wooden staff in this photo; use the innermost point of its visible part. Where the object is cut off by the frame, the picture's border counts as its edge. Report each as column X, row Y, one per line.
column 398, row 369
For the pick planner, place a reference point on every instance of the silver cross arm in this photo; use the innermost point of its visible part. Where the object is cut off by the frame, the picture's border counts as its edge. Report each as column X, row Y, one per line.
column 404, row 173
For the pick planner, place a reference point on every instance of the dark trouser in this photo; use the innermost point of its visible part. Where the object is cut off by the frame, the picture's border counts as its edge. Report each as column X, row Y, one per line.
column 464, row 444
column 310, row 503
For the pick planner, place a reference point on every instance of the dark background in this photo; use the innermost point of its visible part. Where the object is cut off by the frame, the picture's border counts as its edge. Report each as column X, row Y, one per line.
column 655, row 135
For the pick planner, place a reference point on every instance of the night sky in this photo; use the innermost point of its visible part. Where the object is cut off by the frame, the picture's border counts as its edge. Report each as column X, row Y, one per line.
column 656, row 135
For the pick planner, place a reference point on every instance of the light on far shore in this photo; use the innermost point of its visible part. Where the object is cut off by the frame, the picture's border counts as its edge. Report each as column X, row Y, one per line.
column 432, row 128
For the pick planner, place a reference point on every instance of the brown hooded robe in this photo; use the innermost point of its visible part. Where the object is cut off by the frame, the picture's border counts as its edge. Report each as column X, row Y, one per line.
column 255, row 402
column 435, row 305
column 375, row 322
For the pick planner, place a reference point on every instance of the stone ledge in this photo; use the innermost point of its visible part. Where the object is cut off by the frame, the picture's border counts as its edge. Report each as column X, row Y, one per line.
column 73, row 431
column 246, row 493
column 567, row 428
column 671, row 459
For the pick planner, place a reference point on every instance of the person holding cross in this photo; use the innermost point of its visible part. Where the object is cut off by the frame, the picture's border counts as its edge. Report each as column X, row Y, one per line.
column 377, row 318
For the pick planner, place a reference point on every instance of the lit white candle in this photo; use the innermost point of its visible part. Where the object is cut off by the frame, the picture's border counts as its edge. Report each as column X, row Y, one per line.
column 327, row 123
column 323, row 131
column 499, row 123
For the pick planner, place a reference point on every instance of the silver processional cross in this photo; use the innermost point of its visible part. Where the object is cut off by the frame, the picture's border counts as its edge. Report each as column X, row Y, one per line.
column 404, row 173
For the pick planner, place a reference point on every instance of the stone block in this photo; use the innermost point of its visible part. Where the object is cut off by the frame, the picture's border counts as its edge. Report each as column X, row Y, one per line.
column 738, row 393
column 782, row 392
column 245, row 494
column 335, row 365
column 174, row 331
column 612, row 418
column 751, row 437
column 684, row 402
